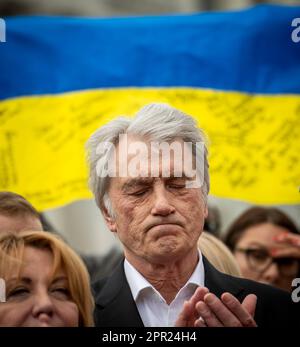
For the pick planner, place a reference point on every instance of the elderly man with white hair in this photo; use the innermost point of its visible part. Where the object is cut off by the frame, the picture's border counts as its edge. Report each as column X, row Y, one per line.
column 149, row 175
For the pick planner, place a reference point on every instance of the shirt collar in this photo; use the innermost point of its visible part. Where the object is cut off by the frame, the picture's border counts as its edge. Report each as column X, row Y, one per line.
column 138, row 283
column 198, row 274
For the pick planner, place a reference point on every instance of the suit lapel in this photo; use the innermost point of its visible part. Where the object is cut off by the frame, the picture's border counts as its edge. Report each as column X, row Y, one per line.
column 115, row 305
column 219, row 283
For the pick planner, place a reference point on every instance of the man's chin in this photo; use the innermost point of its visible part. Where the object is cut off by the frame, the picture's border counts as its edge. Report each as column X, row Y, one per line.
column 168, row 248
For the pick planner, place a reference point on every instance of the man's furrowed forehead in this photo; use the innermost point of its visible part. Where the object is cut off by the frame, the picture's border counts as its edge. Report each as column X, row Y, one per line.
column 137, row 157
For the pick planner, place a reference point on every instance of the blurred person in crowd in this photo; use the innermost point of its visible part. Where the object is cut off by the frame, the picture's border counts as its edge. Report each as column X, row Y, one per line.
column 17, row 214
column 157, row 208
column 212, row 222
column 47, row 284
column 266, row 244
column 218, row 254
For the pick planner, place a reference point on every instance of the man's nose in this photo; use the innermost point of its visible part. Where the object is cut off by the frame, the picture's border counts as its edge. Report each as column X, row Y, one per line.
column 43, row 305
column 162, row 205
column 271, row 274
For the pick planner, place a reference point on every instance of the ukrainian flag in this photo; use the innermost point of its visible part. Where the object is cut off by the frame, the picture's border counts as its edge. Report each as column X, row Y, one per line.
column 237, row 73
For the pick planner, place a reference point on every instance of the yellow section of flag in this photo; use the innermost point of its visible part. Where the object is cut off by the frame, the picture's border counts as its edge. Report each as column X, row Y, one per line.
column 254, row 141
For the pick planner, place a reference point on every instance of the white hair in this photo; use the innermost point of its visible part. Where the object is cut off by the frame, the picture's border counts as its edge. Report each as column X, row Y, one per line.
column 158, row 122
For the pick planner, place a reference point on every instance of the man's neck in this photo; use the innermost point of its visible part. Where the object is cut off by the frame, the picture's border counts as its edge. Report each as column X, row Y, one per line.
column 168, row 277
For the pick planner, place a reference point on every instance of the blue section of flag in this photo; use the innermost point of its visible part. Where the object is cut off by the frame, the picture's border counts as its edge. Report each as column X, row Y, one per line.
column 250, row 51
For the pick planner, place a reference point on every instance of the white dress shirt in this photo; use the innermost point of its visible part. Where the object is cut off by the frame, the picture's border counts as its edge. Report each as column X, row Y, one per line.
column 152, row 307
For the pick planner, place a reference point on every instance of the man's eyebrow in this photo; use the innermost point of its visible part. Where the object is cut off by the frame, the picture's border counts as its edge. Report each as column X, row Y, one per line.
column 137, row 182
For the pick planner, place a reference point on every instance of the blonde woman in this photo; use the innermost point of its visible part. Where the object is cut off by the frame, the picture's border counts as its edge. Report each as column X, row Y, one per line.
column 218, row 254
column 46, row 282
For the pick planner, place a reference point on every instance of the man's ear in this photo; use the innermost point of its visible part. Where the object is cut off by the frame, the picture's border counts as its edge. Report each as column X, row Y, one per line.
column 205, row 211
column 110, row 222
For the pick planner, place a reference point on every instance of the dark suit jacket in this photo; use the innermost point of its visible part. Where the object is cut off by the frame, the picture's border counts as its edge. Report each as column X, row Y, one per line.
column 115, row 306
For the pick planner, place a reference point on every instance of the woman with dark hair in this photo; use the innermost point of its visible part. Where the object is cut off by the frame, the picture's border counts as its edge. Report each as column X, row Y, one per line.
column 266, row 244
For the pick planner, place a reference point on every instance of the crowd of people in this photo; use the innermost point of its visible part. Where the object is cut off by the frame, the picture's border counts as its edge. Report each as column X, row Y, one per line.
column 171, row 271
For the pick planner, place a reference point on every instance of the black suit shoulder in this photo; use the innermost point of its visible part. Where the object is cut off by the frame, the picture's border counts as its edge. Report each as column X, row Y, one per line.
column 114, row 304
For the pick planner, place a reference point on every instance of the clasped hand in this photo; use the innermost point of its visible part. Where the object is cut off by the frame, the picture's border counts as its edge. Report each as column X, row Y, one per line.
column 205, row 309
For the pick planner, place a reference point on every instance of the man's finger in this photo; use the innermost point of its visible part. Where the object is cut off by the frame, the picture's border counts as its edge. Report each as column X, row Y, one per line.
column 199, row 294
column 239, row 311
column 199, row 323
column 188, row 315
column 221, row 312
column 185, row 315
column 208, row 315
column 249, row 303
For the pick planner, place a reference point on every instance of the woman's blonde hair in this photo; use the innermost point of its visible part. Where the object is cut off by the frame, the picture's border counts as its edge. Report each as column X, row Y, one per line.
column 218, row 254
column 12, row 247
